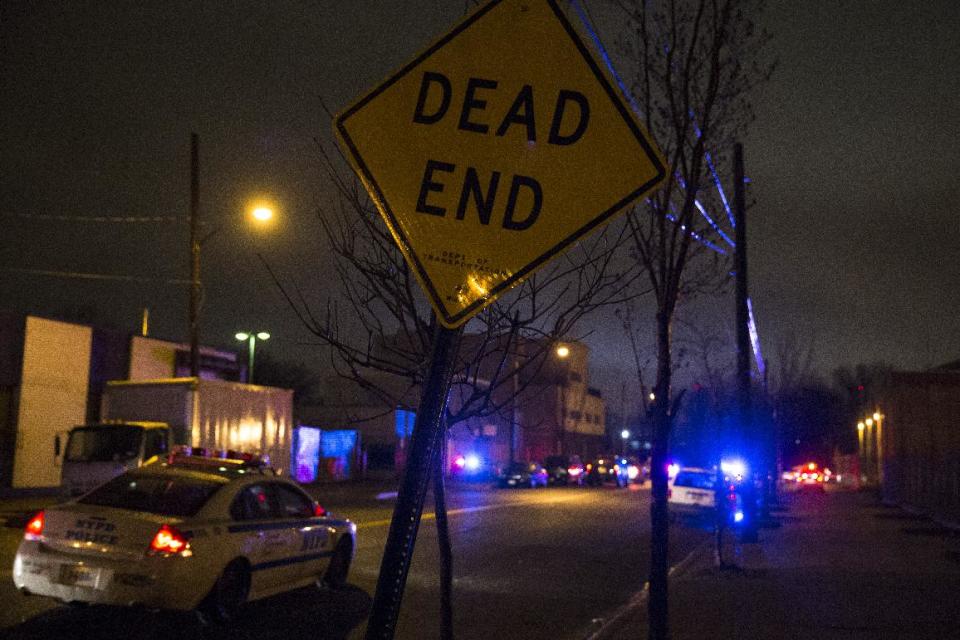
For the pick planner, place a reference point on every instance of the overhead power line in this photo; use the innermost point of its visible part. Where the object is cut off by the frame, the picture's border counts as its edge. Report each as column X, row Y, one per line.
column 92, row 276
column 111, row 219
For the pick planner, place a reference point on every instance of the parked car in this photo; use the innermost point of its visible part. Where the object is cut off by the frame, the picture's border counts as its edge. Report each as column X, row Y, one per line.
column 613, row 469
column 564, row 470
column 522, row 474
column 194, row 532
column 471, row 467
column 692, row 492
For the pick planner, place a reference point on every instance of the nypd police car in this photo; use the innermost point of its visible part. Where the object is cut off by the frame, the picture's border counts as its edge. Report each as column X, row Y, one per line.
column 196, row 532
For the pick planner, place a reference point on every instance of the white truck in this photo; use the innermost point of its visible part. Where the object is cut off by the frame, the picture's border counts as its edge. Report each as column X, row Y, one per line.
column 143, row 420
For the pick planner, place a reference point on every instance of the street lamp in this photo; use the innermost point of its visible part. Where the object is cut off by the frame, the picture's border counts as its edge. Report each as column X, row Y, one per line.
column 563, row 352
column 861, row 457
column 262, row 211
column 878, row 444
column 624, row 436
column 251, row 340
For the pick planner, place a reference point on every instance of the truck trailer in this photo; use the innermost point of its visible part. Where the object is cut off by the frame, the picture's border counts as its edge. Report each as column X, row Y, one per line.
column 142, row 420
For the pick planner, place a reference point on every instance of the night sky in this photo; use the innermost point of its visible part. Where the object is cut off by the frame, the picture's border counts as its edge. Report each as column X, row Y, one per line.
column 854, row 238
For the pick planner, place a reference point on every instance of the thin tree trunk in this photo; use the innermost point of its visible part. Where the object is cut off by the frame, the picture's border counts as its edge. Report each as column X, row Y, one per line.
column 657, row 605
column 443, row 541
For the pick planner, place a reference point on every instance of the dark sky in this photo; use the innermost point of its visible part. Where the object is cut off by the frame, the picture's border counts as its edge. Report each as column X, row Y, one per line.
column 854, row 240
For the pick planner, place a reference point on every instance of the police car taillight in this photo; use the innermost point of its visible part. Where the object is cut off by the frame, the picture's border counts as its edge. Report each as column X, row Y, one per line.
column 169, row 541
column 319, row 511
column 34, row 528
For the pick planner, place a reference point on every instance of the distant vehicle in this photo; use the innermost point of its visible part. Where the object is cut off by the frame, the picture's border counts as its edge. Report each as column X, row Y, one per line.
column 97, row 452
column 564, row 470
column 203, row 533
column 807, row 476
column 523, row 474
column 692, row 492
column 470, row 467
column 613, row 469
column 144, row 420
column 645, row 472
column 635, row 471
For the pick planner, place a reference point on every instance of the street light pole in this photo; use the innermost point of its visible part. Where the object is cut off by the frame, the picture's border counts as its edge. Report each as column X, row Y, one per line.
column 861, row 462
column 194, row 256
column 563, row 352
column 251, row 340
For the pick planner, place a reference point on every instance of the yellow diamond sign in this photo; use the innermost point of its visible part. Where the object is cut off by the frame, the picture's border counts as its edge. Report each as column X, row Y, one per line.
column 496, row 149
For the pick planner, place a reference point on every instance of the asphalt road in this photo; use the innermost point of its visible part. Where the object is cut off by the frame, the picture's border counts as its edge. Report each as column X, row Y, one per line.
column 535, row 563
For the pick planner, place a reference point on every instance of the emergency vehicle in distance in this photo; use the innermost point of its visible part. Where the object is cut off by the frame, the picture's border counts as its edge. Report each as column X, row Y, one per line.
column 201, row 530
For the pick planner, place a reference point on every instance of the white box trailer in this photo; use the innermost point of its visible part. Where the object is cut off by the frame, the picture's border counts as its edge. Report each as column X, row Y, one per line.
column 213, row 414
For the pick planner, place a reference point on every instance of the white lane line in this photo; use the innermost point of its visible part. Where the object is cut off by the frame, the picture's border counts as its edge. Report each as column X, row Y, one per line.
column 455, row 512
column 639, row 599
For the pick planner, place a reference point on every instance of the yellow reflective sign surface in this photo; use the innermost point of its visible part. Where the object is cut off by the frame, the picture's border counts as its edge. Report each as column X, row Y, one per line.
column 495, row 150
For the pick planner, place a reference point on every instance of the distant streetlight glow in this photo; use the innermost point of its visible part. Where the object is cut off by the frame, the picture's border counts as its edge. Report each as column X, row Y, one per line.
column 861, row 426
column 652, row 396
column 563, row 351
column 876, row 416
column 624, row 434
column 263, row 335
column 263, row 213
column 869, row 422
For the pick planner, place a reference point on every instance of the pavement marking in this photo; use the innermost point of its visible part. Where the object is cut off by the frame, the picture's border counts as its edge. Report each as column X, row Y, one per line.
column 638, row 599
column 455, row 512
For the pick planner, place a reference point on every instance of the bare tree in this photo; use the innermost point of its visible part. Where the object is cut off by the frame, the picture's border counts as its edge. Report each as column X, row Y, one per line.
column 794, row 363
column 379, row 329
column 696, row 62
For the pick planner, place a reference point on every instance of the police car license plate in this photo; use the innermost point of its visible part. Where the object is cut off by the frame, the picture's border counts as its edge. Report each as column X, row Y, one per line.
column 78, row 576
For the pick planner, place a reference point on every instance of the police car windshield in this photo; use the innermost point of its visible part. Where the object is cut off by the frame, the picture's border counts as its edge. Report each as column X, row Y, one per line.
column 163, row 495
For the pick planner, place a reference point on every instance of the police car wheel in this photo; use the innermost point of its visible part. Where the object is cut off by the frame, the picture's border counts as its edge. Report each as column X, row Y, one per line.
column 228, row 593
column 336, row 574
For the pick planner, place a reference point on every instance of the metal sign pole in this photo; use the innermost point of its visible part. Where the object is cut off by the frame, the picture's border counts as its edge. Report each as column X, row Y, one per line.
column 413, row 488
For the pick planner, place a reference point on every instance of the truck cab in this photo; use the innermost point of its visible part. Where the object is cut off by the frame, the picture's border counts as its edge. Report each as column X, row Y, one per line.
column 96, row 453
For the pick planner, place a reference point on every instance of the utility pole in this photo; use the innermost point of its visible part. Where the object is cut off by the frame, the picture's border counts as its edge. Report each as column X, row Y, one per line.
column 194, row 256
column 744, row 400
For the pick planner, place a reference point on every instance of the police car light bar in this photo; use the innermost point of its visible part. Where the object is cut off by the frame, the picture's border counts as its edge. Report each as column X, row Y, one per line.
column 185, row 454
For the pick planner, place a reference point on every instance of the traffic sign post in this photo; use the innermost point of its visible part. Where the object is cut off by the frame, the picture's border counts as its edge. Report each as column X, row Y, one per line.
column 402, row 536
column 488, row 155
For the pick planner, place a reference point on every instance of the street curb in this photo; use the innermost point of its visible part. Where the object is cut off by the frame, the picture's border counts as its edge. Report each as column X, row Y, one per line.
column 637, row 600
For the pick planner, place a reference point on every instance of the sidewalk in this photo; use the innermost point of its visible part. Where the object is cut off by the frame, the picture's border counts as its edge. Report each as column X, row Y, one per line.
column 839, row 566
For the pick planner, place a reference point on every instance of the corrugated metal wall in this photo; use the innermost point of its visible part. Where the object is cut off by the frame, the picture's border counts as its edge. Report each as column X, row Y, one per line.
column 920, row 443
